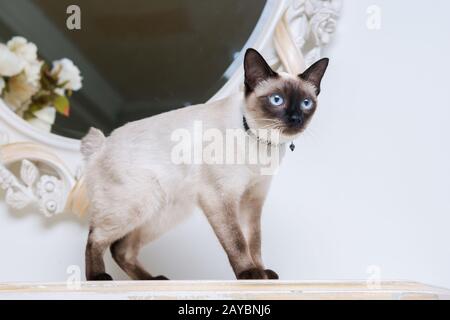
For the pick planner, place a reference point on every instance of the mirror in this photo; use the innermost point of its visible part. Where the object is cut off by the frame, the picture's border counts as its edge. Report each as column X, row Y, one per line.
column 138, row 58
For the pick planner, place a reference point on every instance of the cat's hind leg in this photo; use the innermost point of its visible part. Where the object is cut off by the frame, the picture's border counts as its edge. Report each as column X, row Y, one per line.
column 95, row 249
column 106, row 229
column 125, row 252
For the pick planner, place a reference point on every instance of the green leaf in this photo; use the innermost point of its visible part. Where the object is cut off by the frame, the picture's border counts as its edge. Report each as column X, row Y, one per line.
column 27, row 115
column 62, row 105
column 62, row 85
column 6, row 84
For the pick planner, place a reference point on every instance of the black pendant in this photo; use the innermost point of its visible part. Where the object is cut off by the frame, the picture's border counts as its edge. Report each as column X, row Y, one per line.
column 292, row 147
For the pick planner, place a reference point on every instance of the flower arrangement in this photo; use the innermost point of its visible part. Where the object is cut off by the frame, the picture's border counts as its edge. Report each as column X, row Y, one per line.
column 30, row 86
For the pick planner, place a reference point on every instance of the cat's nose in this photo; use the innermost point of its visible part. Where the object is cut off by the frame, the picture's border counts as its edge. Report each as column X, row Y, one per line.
column 296, row 119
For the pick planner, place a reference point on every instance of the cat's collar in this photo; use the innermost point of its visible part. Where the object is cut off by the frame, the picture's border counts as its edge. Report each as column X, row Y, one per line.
column 269, row 143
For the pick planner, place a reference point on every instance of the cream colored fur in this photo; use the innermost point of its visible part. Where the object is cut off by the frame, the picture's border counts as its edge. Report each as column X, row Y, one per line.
column 137, row 191
column 134, row 186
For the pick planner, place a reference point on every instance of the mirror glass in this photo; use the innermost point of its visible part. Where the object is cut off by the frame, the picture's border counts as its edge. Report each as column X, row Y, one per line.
column 138, row 58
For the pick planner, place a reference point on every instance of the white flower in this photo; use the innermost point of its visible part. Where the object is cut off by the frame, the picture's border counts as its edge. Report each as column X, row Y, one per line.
column 23, row 49
column 27, row 51
column 33, row 73
column 10, row 63
column 68, row 74
column 60, row 91
column 2, row 85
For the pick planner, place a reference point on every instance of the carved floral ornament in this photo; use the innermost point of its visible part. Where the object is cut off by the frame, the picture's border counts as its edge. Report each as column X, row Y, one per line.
column 315, row 22
column 32, row 175
column 31, row 187
column 41, row 180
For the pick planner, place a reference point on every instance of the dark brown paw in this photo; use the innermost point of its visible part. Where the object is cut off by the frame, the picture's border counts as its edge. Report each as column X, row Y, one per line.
column 159, row 278
column 253, row 273
column 101, row 277
column 271, row 274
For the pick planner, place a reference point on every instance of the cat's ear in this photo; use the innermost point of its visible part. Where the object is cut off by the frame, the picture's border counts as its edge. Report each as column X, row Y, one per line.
column 256, row 70
column 314, row 74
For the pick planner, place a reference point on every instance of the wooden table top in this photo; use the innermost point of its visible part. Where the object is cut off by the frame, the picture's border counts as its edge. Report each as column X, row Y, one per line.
column 141, row 290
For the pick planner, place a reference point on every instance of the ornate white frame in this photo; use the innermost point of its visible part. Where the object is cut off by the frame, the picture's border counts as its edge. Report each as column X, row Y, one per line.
column 285, row 31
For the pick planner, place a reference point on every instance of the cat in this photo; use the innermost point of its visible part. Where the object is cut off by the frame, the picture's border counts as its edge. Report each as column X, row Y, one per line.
column 137, row 192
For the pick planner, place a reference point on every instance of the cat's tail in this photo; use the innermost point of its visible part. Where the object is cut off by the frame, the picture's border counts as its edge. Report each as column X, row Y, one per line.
column 92, row 143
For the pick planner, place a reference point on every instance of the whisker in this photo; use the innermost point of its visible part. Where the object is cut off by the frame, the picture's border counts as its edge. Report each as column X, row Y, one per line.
column 268, row 119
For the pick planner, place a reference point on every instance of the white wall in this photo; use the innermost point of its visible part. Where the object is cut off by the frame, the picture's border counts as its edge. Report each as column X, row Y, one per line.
column 369, row 182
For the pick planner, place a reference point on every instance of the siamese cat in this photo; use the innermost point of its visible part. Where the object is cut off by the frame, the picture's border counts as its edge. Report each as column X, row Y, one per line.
column 137, row 191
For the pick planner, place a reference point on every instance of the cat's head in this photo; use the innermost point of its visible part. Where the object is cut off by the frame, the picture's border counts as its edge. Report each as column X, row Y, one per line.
column 280, row 100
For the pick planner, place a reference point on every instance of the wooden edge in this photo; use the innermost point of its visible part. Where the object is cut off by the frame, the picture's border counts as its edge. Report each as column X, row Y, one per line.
column 298, row 290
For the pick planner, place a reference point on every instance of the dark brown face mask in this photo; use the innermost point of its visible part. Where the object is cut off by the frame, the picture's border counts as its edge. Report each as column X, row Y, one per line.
column 290, row 101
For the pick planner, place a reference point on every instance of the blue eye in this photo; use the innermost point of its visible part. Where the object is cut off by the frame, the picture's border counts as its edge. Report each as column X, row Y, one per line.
column 306, row 104
column 276, row 100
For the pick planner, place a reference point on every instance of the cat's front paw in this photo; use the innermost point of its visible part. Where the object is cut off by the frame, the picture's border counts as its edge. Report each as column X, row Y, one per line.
column 272, row 275
column 159, row 278
column 253, row 273
column 101, row 277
